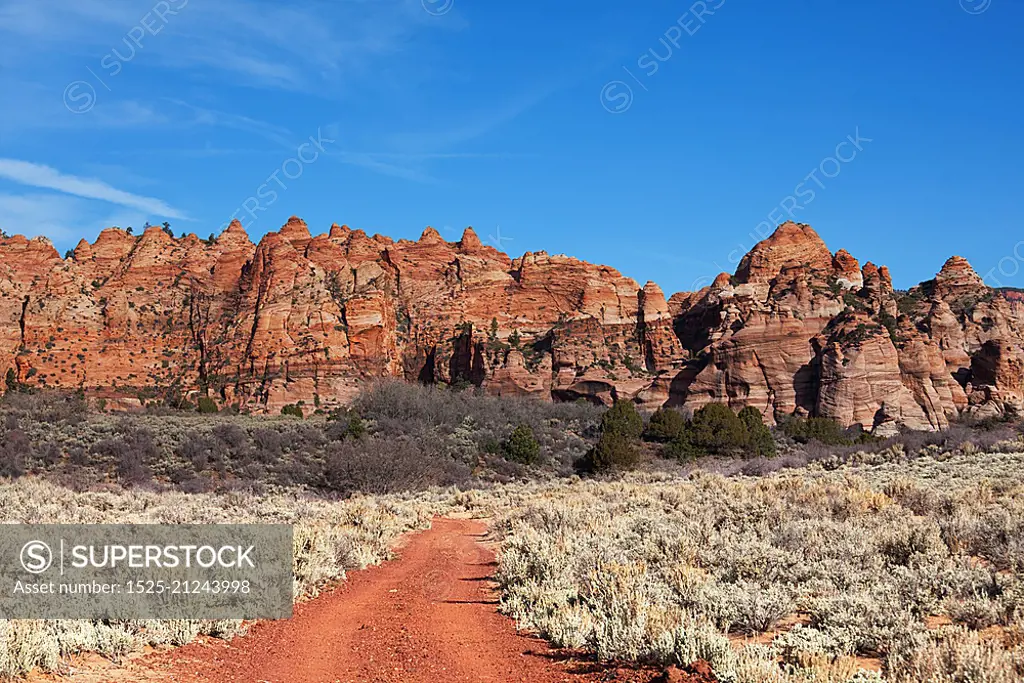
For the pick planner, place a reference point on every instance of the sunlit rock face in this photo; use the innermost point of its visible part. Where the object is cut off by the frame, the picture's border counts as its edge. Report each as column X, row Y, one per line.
column 309, row 318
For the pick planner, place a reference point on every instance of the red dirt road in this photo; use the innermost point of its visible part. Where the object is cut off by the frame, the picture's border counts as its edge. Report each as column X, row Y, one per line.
column 428, row 616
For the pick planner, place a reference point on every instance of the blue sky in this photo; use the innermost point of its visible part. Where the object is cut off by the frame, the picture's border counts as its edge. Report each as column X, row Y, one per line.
column 657, row 137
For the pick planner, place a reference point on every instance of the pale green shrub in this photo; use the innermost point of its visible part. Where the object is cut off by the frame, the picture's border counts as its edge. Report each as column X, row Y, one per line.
column 869, row 551
column 957, row 655
column 329, row 538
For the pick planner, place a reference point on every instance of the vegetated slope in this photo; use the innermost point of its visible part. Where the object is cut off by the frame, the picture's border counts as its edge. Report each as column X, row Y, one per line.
column 398, row 437
column 299, row 318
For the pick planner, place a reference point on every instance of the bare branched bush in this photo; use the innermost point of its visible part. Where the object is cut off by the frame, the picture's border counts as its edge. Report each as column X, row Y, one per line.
column 376, row 466
column 55, row 436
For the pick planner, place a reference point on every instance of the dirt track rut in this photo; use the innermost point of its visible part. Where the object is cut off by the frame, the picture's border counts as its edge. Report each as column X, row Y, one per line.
column 428, row 616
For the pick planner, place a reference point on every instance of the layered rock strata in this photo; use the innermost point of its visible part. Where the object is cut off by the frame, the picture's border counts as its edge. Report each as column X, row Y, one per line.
column 303, row 318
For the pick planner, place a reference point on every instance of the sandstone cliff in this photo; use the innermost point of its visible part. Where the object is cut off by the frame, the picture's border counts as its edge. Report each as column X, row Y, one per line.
column 304, row 318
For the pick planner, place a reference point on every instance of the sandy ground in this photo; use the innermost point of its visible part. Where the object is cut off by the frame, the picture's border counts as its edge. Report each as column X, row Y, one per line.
column 428, row 616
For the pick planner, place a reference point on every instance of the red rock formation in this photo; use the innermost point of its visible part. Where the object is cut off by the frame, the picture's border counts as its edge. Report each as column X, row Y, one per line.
column 860, row 373
column 791, row 244
column 662, row 350
column 798, row 332
column 847, row 270
column 303, row 318
column 998, row 379
column 957, row 278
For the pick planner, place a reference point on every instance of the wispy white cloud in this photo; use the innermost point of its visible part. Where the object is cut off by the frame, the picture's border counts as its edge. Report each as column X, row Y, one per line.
column 35, row 106
column 304, row 45
column 62, row 219
column 279, row 135
column 287, row 141
column 206, row 152
column 38, row 214
column 41, row 176
column 58, row 20
column 472, row 126
column 377, row 163
column 331, row 49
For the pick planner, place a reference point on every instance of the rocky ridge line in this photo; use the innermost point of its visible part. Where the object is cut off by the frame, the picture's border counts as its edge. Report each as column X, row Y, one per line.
column 302, row 318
